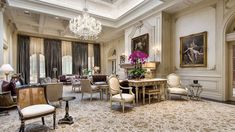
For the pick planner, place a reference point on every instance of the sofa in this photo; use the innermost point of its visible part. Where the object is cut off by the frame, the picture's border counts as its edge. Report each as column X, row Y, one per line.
column 66, row 79
column 99, row 79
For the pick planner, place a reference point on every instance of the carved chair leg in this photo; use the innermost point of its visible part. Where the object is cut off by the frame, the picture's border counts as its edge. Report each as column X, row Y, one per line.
column 82, row 95
column 54, row 120
column 123, row 107
column 110, row 103
column 149, row 98
column 91, row 97
column 43, row 121
column 22, row 126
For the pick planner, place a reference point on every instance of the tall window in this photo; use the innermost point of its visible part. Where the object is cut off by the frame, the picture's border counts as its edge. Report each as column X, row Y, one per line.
column 37, row 60
column 37, row 67
column 66, row 57
column 66, row 65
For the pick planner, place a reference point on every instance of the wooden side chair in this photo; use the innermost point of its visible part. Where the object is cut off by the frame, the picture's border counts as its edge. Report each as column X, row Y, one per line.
column 153, row 91
column 32, row 103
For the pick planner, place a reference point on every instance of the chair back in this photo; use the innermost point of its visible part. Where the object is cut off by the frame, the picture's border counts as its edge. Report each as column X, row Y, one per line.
column 173, row 80
column 31, row 95
column 54, row 91
column 85, row 85
column 114, row 86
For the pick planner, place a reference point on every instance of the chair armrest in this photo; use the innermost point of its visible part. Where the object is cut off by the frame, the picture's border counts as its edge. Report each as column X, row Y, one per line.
column 130, row 89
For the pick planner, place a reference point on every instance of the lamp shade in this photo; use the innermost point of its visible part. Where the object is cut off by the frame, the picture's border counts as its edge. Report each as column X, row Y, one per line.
column 6, row 68
column 149, row 65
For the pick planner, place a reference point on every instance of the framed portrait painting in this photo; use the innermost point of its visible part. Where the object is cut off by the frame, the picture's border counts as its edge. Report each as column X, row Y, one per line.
column 193, row 50
column 140, row 43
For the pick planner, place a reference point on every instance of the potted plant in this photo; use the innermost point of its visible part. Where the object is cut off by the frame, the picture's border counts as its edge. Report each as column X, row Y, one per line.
column 137, row 58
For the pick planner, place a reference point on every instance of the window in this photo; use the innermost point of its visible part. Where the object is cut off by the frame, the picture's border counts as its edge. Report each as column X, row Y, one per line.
column 37, row 67
column 66, row 65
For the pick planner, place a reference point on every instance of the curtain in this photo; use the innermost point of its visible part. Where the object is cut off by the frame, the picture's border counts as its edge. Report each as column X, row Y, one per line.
column 37, row 59
column 23, row 57
column 90, row 56
column 79, row 57
column 97, row 55
column 53, row 57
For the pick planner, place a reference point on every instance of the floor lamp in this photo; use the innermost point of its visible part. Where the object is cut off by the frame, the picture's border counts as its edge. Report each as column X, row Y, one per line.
column 6, row 69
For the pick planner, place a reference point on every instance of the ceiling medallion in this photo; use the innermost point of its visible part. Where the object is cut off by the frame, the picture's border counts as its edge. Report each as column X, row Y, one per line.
column 85, row 27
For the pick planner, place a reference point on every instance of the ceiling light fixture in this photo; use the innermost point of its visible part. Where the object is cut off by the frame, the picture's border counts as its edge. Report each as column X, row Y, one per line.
column 85, row 26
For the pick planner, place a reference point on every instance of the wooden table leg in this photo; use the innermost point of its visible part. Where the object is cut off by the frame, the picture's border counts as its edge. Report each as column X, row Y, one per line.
column 163, row 91
column 143, row 90
column 136, row 94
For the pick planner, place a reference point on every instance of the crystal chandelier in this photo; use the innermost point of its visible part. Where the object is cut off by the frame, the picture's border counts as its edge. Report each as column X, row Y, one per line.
column 85, row 26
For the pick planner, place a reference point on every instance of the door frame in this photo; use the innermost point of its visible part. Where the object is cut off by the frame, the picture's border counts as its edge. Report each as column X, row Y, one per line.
column 230, row 58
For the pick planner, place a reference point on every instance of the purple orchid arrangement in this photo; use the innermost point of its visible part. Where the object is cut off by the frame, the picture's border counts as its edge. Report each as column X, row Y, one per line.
column 138, row 57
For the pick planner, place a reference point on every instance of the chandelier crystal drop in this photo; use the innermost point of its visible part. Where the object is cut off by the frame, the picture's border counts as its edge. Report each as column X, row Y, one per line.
column 85, row 26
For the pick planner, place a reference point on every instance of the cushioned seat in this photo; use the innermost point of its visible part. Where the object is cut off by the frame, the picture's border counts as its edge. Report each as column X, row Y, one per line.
column 100, row 83
column 36, row 110
column 94, row 87
column 178, row 90
column 126, row 97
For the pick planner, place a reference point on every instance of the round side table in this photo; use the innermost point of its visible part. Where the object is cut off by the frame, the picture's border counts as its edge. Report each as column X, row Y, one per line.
column 195, row 90
column 67, row 118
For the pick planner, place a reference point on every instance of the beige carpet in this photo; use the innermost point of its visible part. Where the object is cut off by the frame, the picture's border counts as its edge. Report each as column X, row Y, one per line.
column 169, row 116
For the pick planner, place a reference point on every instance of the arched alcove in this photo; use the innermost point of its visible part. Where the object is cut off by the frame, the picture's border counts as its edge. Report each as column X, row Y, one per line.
column 112, row 61
column 229, row 50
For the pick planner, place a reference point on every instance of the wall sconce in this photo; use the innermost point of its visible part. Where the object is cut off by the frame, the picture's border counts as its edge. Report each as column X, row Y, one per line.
column 156, row 53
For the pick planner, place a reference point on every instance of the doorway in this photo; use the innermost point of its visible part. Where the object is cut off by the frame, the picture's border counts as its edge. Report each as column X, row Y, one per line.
column 232, row 71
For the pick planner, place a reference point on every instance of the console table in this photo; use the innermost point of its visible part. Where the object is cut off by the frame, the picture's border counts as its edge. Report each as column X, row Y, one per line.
column 195, row 90
column 148, row 82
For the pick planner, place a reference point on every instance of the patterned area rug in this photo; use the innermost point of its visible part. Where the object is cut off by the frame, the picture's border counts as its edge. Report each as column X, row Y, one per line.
column 96, row 116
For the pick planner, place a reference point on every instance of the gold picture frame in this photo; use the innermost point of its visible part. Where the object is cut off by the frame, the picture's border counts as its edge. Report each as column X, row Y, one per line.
column 193, row 50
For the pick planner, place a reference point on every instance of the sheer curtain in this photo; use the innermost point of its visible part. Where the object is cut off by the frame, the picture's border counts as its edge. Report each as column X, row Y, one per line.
column 23, row 57
column 90, row 56
column 37, row 59
column 66, row 57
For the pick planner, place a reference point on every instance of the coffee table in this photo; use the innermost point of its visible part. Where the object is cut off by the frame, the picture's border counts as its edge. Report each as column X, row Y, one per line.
column 67, row 118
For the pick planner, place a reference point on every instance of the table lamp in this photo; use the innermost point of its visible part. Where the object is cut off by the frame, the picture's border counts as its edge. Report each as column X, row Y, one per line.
column 6, row 68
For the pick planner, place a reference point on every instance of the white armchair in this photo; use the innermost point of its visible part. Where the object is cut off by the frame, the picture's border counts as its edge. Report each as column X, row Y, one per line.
column 116, row 94
column 86, row 87
column 174, row 86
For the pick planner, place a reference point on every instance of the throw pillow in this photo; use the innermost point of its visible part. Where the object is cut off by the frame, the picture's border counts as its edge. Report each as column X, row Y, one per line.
column 9, row 86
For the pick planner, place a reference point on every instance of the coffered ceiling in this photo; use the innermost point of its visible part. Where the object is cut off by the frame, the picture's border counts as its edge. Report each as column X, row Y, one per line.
column 50, row 17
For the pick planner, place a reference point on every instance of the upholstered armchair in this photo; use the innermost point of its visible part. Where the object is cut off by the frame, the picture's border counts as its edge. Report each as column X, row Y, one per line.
column 116, row 94
column 75, row 84
column 32, row 103
column 174, row 86
column 86, row 87
column 54, row 92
